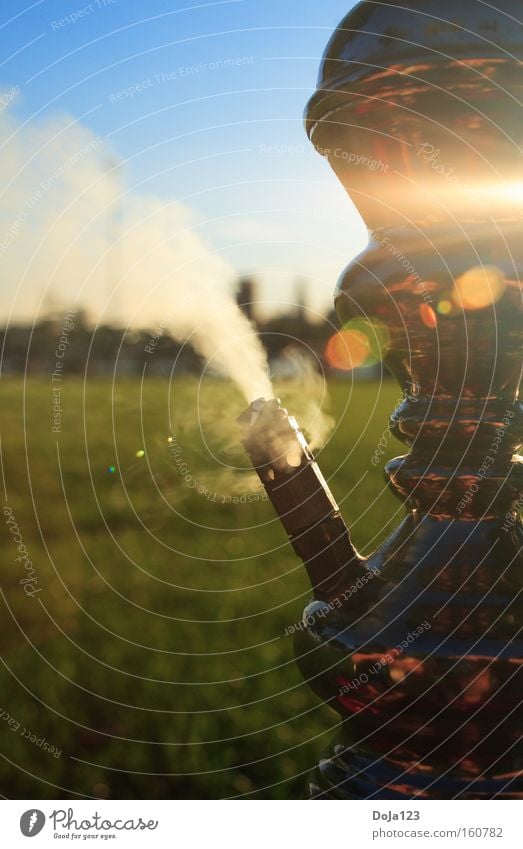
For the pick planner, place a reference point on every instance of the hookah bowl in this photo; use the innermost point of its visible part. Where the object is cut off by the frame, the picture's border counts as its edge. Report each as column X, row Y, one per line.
column 418, row 647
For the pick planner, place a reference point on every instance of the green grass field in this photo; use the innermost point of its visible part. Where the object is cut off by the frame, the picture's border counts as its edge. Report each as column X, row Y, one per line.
column 154, row 658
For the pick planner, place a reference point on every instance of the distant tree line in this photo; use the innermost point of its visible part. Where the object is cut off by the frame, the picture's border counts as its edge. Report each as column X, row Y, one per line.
column 67, row 342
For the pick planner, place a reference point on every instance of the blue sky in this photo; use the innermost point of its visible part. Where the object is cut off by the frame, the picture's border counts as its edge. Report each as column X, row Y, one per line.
column 202, row 103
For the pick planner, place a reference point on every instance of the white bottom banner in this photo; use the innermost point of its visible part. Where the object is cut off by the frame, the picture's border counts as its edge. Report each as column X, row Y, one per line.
column 254, row 824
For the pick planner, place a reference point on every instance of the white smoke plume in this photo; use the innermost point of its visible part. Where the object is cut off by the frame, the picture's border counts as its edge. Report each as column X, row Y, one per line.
column 305, row 396
column 69, row 232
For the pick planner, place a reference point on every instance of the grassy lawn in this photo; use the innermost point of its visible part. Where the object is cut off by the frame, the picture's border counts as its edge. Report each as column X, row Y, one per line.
column 154, row 658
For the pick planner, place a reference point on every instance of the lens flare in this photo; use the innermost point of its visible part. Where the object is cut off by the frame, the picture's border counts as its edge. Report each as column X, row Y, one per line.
column 359, row 343
column 479, row 287
column 347, row 349
column 140, row 454
column 111, row 470
column 444, row 307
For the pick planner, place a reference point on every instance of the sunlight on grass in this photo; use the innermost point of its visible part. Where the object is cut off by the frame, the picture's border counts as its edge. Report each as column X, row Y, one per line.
column 162, row 612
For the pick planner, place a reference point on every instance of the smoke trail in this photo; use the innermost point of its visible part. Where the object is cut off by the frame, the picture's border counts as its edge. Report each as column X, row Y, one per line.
column 305, row 395
column 219, row 464
column 68, row 230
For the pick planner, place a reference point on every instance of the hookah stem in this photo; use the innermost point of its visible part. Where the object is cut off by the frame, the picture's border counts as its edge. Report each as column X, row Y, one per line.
column 299, row 494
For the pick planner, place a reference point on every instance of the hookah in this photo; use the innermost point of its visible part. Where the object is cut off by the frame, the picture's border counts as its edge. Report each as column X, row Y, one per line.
column 418, row 647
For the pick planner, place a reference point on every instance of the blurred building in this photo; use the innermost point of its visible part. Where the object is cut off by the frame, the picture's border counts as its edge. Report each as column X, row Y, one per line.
column 246, row 297
column 107, row 349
